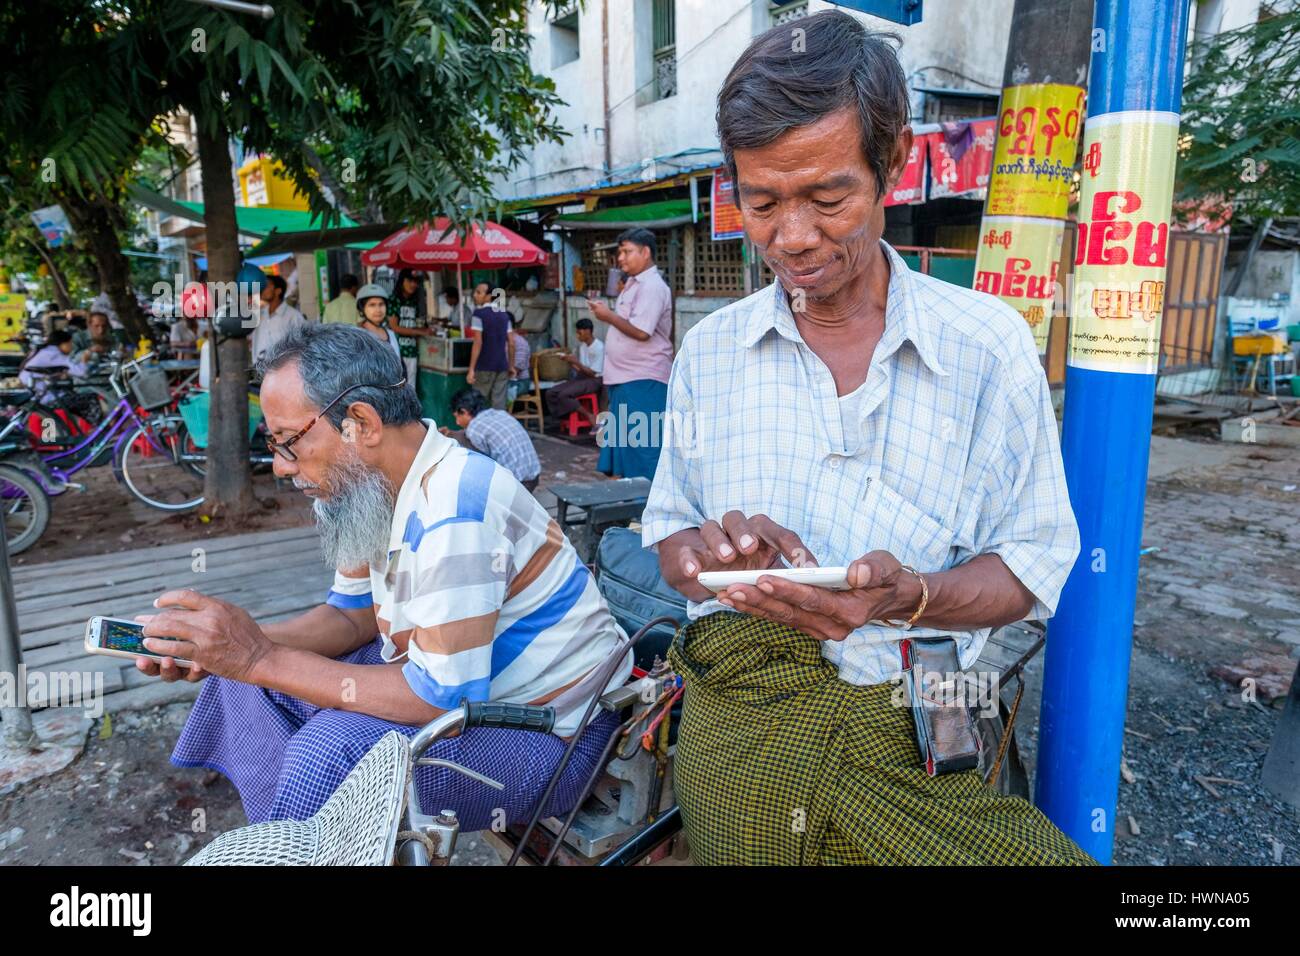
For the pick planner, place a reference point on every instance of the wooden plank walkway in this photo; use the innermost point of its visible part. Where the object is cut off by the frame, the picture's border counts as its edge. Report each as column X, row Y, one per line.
column 271, row 574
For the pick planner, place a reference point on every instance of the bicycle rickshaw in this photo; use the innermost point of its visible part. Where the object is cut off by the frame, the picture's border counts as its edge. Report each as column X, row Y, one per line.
column 626, row 814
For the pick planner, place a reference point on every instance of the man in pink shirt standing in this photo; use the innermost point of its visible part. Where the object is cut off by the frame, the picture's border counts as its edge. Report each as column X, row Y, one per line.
column 638, row 358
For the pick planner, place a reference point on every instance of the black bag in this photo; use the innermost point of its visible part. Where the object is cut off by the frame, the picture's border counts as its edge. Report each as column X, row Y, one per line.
column 628, row 576
column 937, row 691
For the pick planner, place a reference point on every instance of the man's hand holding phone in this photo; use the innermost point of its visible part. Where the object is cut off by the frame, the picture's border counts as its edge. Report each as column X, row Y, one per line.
column 217, row 636
column 737, row 543
column 167, row 668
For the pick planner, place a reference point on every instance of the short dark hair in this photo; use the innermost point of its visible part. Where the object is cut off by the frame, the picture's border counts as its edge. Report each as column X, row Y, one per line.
column 468, row 400
column 640, row 237
column 278, row 282
column 452, row 293
column 349, row 282
column 771, row 89
column 332, row 357
column 409, row 274
column 584, row 324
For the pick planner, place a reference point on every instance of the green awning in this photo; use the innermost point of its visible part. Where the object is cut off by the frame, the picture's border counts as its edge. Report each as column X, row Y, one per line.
column 651, row 215
column 257, row 222
column 261, row 221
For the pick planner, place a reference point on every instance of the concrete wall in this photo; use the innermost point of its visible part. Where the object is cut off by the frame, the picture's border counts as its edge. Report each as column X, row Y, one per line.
column 967, row 38
column 1273, row 273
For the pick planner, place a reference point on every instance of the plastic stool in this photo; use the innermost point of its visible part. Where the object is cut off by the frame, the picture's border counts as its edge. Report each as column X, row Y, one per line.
column 574, row 422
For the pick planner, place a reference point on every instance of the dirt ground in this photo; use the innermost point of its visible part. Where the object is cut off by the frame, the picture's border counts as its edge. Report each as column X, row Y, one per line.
column 104, row 517
column 1219, row 598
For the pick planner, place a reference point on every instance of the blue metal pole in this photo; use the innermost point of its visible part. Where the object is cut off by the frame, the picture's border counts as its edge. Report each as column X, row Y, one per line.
column 1130, row 142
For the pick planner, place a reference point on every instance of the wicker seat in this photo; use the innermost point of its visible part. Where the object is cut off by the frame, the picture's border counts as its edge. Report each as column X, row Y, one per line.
column 357, row 826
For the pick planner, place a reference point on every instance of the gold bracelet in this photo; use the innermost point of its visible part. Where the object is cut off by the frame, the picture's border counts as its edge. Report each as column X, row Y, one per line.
column 920, row 608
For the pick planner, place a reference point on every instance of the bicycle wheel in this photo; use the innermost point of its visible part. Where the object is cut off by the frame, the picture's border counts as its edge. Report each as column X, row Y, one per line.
column 151, row 466
column 192, row 456
column 26, row 509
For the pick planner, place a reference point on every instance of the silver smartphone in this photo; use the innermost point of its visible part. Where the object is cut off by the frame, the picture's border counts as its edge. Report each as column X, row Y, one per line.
column 117, row 637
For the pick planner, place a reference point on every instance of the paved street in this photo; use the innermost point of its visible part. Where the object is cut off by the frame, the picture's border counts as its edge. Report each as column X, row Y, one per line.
column 1222, row 594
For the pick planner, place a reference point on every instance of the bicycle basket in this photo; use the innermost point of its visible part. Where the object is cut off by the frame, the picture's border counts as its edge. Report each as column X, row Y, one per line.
column 150, row 388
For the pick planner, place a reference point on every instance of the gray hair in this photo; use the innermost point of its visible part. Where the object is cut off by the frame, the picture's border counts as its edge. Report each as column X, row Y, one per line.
column 772, row 88
column 332, row 357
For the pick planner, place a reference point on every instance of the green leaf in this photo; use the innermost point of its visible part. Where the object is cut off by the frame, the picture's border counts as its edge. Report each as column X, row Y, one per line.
column 288, row 73
column 262, row 58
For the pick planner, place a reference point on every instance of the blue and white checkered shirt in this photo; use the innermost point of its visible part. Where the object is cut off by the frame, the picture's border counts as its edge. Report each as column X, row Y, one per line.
column 499, row 435
column 958, row 453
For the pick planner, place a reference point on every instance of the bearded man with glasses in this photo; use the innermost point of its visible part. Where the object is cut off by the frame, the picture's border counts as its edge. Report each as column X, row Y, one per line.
column 452, row 582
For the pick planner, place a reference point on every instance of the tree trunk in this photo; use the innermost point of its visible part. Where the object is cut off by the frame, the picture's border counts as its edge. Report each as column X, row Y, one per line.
column 228, row 485
column 61, row 297
column 98, row 223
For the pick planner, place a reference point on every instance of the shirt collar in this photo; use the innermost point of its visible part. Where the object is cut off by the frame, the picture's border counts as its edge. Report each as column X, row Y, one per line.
column 647, row 272
column 903, row 320
column 432, row 451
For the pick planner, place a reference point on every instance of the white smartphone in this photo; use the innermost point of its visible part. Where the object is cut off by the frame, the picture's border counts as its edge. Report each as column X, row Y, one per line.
column 836, row 579
column 117, row 637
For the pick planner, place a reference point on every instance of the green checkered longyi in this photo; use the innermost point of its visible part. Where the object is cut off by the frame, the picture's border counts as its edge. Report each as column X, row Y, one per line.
column 781, row 762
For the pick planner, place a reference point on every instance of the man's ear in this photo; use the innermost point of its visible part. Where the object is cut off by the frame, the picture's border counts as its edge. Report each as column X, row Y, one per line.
column 898, row 162
column 363, row 426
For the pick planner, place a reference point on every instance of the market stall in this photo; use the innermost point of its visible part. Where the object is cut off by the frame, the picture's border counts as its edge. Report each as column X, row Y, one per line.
column 444, row 358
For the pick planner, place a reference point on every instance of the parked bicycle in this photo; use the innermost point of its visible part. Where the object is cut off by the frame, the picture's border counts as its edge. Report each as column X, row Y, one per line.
column 143, row 430
column 26, row 509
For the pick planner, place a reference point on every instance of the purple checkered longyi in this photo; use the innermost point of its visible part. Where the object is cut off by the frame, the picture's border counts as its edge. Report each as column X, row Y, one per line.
column 286, row 757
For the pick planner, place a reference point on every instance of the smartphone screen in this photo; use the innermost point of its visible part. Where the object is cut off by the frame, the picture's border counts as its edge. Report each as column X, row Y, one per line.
column 125, row 636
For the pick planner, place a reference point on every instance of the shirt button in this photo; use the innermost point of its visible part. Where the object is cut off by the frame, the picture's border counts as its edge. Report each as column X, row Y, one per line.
column 835, row 461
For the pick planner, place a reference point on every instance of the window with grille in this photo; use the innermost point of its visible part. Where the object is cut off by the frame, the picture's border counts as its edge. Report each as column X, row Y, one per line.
column 665, row 48
column 599, row 253
column 719, row 266
column 784, row 11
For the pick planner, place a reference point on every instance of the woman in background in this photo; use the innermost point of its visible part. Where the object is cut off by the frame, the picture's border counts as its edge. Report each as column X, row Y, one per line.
column 372, row 306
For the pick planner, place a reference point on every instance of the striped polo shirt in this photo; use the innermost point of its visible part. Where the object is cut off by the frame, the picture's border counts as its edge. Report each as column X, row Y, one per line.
column 469, row 545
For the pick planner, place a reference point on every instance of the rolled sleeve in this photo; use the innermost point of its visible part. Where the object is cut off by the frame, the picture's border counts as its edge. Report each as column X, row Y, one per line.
column 1032, row 528
column 674, row 501
column 351, row 590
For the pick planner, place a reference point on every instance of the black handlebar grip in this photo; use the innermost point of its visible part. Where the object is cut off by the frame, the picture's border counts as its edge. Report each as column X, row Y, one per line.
column 513, row 716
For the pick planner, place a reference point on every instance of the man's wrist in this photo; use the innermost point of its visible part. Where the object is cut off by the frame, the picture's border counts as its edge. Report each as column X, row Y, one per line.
column 907, row 596
column 265, row 669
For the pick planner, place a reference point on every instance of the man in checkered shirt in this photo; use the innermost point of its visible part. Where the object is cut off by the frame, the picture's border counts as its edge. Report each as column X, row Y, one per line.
column 852, row 413
column 496, row 434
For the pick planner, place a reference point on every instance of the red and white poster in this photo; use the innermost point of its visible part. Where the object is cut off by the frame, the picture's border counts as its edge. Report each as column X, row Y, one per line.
column 727, row 223
column 910, row 188
column 961, row 158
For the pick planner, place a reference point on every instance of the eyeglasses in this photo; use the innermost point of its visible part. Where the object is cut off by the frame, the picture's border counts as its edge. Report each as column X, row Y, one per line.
column 284, row 447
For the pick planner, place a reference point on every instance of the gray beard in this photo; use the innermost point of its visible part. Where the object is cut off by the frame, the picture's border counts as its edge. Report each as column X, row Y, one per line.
column 355, row 522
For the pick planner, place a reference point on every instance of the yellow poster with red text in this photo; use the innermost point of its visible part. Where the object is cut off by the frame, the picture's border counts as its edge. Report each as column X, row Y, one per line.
column 1033, row 160
column 1018, row 261
column 13, row 321
column 1120, row 263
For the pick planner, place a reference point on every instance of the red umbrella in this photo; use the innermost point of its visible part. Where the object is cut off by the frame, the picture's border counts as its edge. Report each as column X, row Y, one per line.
column 437, row 246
